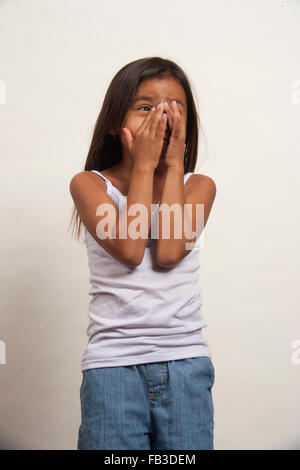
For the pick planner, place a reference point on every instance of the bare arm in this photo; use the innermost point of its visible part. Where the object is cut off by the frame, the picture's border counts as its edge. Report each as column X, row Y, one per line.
column 169, row 251
column 88, row 194
column 88, row 191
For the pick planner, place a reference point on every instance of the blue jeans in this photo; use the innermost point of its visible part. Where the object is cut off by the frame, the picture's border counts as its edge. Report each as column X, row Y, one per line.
column 159, row 405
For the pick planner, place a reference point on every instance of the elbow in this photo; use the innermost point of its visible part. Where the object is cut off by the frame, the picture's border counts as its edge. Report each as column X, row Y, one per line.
column 131, row 264
column 168, row 258
column 164, row 262
column 132, row 261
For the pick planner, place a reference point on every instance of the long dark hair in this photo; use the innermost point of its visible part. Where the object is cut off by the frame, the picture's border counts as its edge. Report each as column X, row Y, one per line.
column 106, row 149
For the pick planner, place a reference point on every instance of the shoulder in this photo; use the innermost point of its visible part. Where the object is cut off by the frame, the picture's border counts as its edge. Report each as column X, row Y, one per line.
column 202, row 190
column 83, row 179
column 199, row 182
column 85, row 176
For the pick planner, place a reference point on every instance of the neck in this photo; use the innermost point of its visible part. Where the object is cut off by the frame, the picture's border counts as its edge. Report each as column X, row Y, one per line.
column 124, row 168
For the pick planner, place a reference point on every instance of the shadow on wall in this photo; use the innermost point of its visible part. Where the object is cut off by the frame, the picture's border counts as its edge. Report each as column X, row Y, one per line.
column 5, row 444
column 294, row 446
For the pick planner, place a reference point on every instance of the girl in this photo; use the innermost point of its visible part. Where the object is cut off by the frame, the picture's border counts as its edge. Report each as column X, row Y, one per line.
column 147, row 370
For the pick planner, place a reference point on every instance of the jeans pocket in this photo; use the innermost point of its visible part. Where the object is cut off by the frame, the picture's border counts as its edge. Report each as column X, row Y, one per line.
column 211, row 368
column 212, row 371
column 82, row 383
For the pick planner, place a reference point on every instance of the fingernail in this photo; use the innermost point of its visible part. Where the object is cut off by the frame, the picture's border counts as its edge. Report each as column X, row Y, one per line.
column 159, row 105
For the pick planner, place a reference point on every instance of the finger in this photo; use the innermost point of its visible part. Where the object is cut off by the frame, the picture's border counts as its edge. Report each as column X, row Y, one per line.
column 171, row 119
column 161, row 129
column 153, row 125
column 127, row 136
column 146, row 121
column 170, row 113
column 177, row 128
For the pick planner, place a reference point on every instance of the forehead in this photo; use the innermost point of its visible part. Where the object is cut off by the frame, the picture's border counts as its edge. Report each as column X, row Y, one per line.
column 161, row 89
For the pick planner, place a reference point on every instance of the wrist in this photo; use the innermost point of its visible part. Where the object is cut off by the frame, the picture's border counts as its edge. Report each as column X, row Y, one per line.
column 176, row 168
column 143, row 167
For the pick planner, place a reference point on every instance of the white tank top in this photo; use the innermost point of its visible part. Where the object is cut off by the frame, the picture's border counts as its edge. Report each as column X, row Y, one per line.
column 146, row 314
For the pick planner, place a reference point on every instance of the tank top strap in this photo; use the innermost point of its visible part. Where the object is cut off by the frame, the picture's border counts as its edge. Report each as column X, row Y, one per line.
column 108, row 183
column 187, row 175
column 110, row 186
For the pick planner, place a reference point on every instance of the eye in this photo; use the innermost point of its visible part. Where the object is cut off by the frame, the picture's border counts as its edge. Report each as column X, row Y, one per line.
column 144, row 107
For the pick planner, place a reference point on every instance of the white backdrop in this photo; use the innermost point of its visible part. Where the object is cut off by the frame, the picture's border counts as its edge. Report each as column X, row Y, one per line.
column 57, row 58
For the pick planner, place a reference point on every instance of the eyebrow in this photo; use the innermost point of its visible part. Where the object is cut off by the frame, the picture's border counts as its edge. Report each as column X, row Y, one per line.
column 150, row 98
